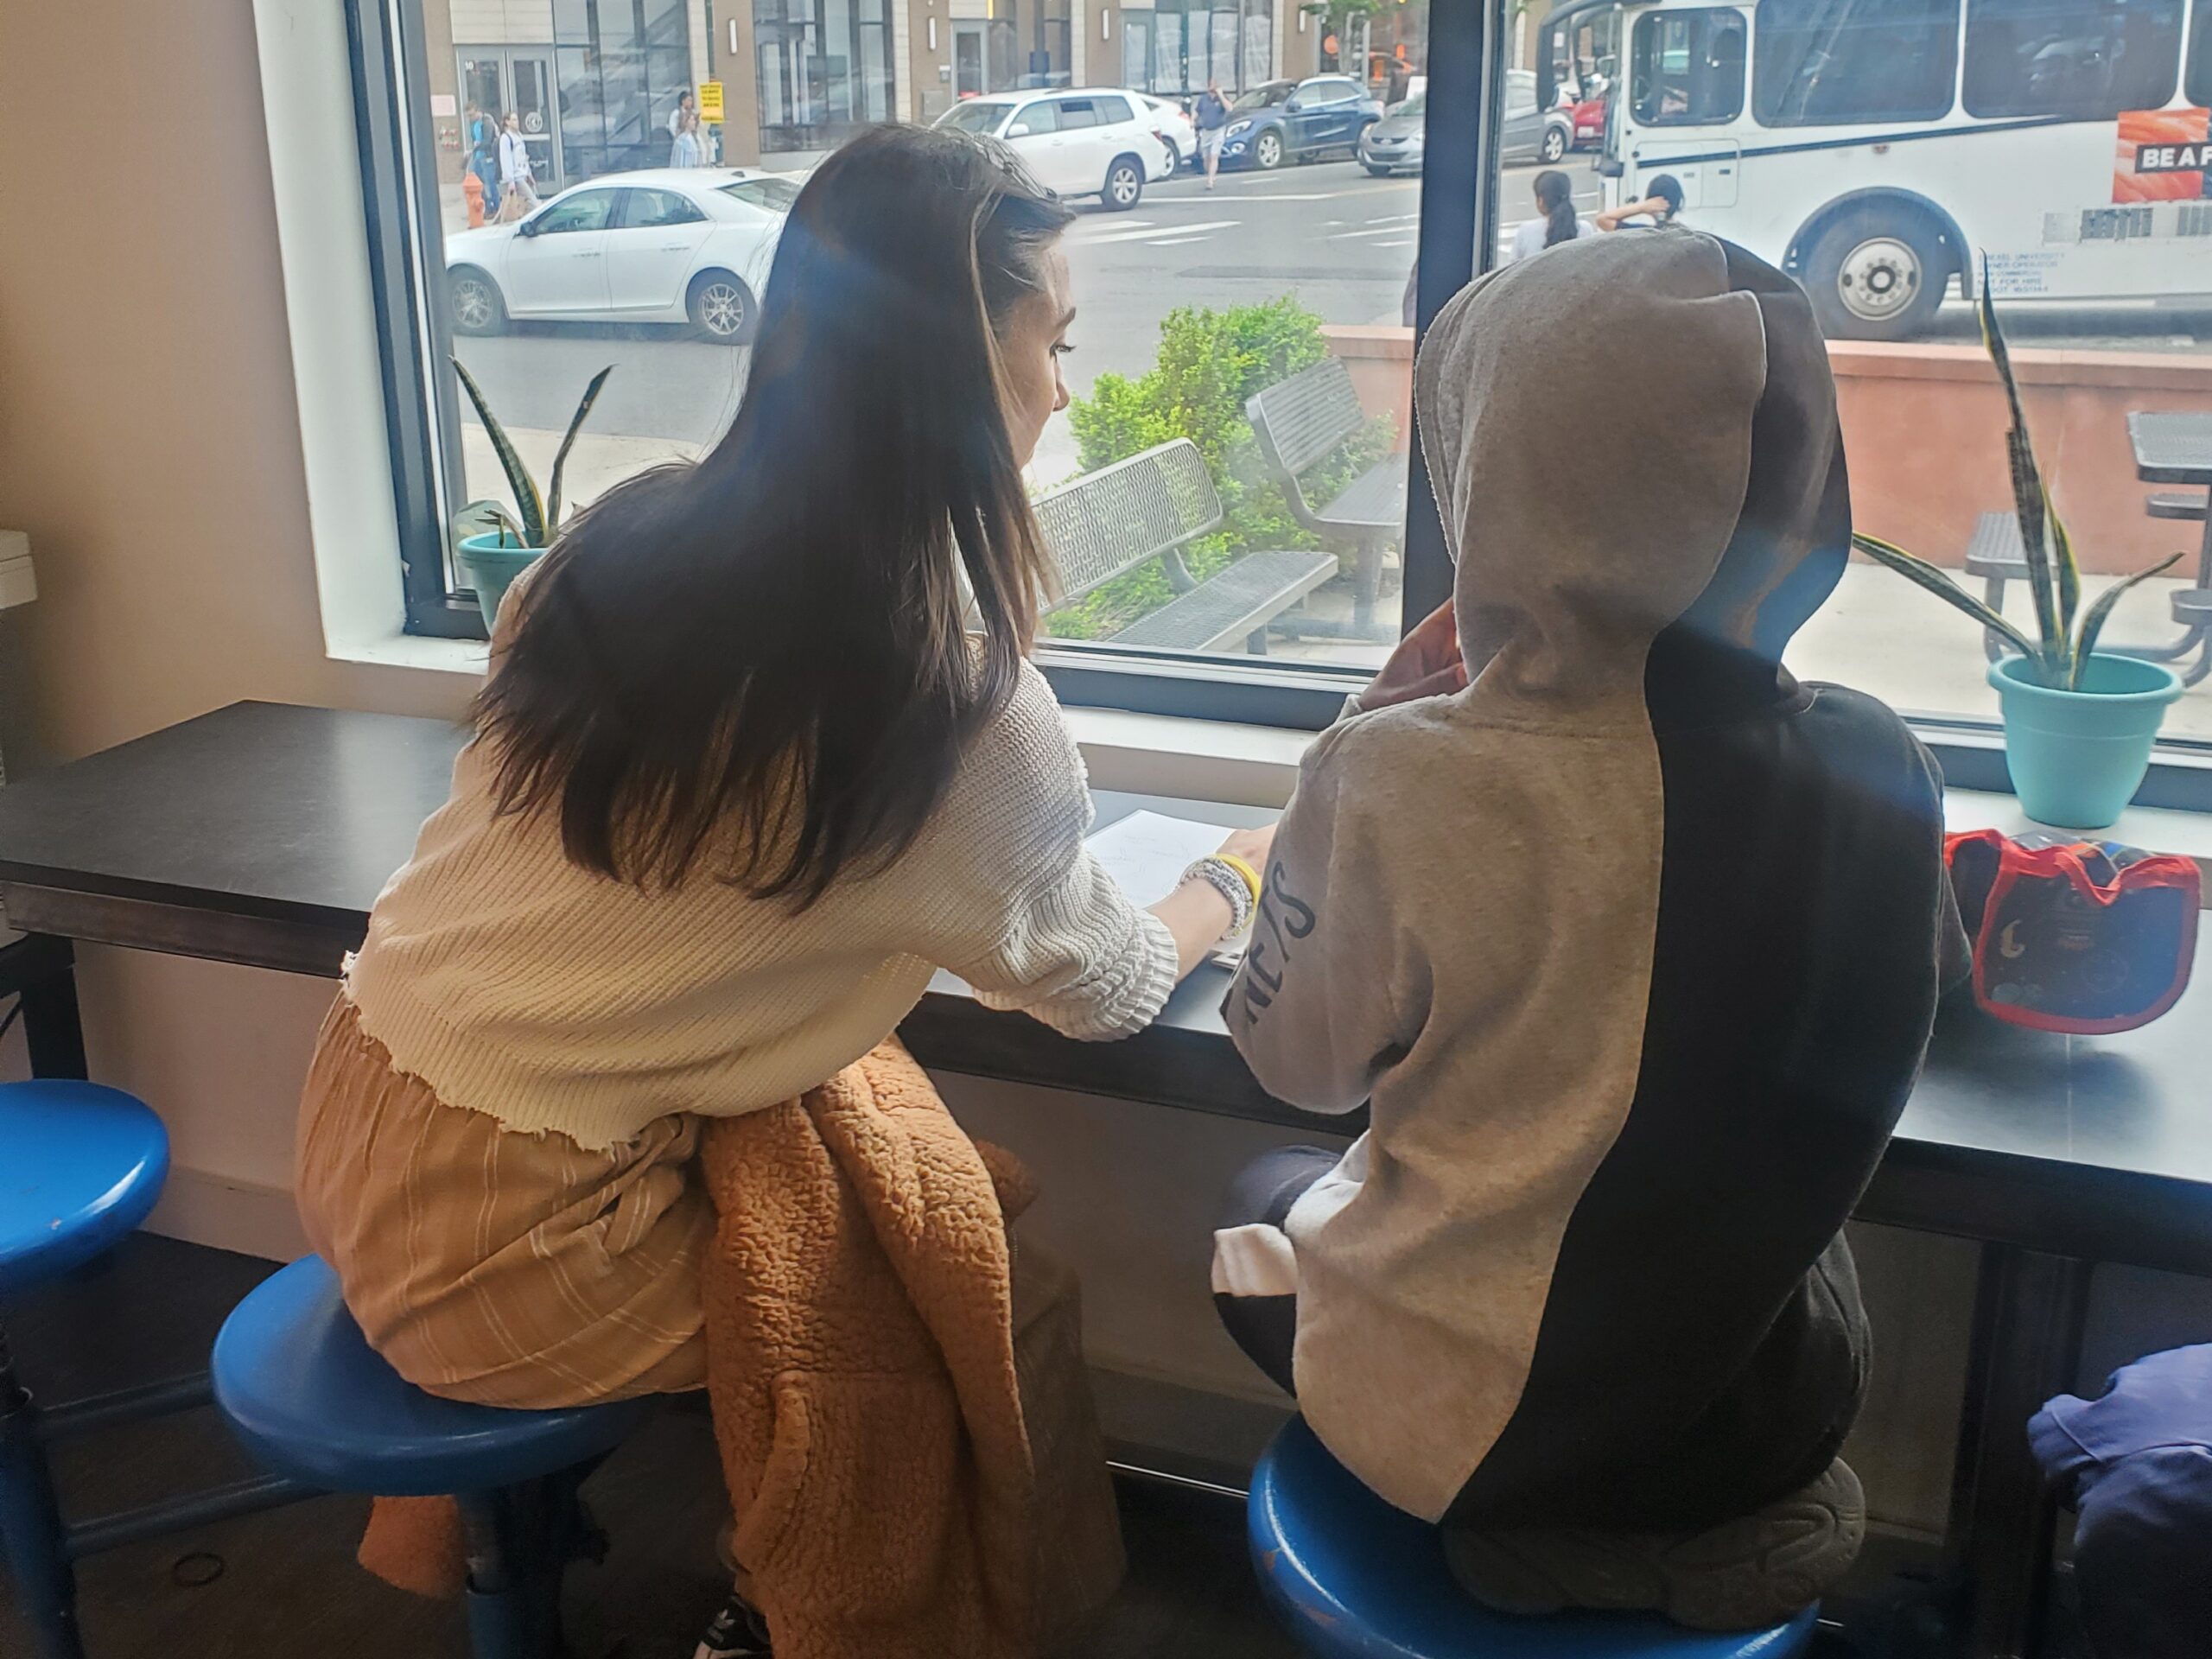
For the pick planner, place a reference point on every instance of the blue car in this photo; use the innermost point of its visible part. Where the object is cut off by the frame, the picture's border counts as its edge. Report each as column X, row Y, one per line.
column 1296, row 120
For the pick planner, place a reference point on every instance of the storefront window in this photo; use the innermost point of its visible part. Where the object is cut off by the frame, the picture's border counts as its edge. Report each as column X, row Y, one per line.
column 824, row 69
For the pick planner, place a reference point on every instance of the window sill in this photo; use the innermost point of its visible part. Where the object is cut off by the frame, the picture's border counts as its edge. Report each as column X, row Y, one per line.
column 1141, row 753
column 1187, row 758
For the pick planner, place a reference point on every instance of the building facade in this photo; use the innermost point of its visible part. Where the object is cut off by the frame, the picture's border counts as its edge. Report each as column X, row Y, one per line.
column 592, row 82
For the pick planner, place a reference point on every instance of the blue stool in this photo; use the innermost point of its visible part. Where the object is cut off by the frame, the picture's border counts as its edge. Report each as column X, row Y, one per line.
column 311, row 1401
column 80, row 1167
column 1354, row 1579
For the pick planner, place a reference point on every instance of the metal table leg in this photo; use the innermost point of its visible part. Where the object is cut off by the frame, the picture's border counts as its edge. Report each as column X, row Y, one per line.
column 2028, row 1309
column 41, row 969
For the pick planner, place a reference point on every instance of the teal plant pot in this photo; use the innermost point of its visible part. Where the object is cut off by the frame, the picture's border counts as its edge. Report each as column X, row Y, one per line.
column 2078, row 757
column 490, row 567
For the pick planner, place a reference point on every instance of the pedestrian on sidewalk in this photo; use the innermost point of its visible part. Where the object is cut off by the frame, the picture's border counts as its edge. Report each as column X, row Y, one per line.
column 483, row 135
column 1560, row 223
column 518, row 189
column 1661, row 205
column 685, row 114
column 1210, row 118
column 690, row 149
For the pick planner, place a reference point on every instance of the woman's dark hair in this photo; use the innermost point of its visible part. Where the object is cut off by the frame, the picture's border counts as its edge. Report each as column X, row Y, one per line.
column 1556, row 196
column 760, row 661
column 1668, row 189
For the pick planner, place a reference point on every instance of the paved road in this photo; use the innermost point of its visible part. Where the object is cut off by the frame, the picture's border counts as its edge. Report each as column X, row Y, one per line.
column 1342, row 241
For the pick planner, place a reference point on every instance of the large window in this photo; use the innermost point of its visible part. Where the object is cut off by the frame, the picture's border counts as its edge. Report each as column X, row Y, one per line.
column 822, row 68
column 2083, row 59
column 1239, row 519
column 2050, row 147
column 2198, row 90
column 1238, row 352
column 1689, row 68
column 1839, row 62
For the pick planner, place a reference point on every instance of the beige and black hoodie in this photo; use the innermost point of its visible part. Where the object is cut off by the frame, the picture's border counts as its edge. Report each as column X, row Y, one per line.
column 1633, row 946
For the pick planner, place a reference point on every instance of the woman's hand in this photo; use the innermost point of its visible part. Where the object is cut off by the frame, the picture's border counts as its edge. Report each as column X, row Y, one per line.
column 1427, row 664
column 1196, row 915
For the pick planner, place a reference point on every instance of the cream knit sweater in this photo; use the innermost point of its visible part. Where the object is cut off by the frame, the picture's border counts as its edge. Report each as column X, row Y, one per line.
column 517, row 984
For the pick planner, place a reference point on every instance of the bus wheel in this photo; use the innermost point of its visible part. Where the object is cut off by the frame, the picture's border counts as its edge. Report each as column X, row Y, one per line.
column 1876, row 275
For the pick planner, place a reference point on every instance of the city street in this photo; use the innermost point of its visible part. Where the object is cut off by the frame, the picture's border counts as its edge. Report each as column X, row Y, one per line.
column 1340, row 240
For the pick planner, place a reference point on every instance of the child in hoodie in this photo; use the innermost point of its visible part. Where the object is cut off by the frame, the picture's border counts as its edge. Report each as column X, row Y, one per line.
column 1633, row 946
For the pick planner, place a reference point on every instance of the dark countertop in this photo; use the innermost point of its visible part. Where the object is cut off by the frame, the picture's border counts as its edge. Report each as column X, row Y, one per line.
column 262, row 834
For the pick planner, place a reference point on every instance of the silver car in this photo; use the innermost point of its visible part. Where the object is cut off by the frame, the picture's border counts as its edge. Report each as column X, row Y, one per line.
column 1394, row 143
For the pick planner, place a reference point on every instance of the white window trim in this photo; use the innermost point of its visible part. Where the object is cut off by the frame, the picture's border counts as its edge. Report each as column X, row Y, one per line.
column 307, row 94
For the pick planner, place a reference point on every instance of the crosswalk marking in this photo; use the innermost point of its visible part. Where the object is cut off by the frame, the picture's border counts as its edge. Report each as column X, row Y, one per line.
column 1152, row 235
column 1178, row 241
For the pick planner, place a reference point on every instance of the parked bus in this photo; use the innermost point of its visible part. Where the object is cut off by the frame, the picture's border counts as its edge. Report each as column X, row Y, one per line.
column 1877, row 149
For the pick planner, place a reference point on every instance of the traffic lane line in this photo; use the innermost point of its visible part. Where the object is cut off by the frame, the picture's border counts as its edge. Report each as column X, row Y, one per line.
column 1109, row 238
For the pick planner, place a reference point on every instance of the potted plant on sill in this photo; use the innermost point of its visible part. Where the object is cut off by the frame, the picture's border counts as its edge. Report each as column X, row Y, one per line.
column 491, row 547
column 2079, row 722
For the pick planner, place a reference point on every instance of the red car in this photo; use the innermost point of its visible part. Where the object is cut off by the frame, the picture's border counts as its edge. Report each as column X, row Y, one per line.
column 1589, row 116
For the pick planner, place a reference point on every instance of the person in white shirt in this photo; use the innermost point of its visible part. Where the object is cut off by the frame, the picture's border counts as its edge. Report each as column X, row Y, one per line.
column 1560, row 223
column 683, row 115
column 690, row 149
column 517, row 189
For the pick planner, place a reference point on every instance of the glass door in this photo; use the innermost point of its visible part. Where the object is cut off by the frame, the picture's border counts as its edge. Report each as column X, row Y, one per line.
column 529, row 78
column 498, row 79
column 967, row 59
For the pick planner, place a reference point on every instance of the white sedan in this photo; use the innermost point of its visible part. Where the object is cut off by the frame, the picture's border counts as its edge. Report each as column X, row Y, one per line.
column 674, row 244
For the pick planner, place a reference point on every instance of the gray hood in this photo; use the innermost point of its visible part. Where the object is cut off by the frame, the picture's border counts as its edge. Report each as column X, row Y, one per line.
column 1634, row 444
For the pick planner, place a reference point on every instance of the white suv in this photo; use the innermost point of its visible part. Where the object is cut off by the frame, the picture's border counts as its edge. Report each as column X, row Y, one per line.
column 1106, row 144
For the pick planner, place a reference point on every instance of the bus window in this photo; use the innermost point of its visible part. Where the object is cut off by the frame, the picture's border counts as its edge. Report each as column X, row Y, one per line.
column 1839, row 62
column 2083, row 59
column 2197, row 85
column 1688, row 67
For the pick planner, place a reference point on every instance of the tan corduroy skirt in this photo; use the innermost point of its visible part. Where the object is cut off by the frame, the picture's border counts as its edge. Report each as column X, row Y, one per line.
column 507, row 1269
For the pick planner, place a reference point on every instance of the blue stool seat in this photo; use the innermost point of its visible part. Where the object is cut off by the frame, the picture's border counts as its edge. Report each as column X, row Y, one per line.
column 80, row 1167
column 311, row 1400
column 1354, row 1579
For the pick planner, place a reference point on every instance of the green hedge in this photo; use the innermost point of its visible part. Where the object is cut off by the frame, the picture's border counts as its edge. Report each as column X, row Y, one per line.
column 1210, row 363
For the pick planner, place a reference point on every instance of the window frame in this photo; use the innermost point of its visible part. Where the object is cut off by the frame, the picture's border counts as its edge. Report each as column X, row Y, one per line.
column 1741, row 14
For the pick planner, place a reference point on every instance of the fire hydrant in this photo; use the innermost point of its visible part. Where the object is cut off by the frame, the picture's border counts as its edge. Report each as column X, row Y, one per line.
column 472, row 187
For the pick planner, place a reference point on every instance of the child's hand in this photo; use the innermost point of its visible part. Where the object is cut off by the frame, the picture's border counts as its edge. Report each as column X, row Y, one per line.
column 1251, row 846
column 1427, row 664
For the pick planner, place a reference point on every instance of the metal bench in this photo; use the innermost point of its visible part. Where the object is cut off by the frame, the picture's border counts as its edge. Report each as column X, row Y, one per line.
column 1108, row 523
column 1995, row 553
column 1303, row 420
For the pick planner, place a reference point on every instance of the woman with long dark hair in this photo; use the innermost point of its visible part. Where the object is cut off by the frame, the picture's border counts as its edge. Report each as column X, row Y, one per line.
column 744, row 776
column 1559, row 223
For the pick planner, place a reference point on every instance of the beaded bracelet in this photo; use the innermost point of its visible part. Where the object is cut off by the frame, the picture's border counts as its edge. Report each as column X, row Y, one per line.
column 1231, row 884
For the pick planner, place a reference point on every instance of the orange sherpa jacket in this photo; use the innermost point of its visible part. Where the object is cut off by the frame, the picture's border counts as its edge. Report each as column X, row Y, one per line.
column 861, row 1369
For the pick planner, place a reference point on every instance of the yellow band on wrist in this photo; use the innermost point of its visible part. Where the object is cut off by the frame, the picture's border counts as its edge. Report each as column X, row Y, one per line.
column 1243, row 868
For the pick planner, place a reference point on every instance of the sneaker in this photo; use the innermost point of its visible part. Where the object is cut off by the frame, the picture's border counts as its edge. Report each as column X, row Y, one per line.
column 737, row 1632
column 1741, row 1575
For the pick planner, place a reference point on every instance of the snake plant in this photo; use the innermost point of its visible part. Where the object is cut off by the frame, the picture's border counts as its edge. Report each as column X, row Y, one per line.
column 2061, row 651
column 540, row 515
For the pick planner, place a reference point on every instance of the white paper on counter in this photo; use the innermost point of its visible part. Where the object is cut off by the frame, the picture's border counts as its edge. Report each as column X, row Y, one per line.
column 1147, row 852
